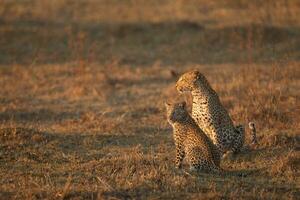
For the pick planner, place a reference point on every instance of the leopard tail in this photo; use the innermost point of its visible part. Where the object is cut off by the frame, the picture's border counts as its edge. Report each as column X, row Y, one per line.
column 253, row 133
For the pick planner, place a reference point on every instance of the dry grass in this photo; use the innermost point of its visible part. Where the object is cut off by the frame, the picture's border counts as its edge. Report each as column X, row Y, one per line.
column 83, row 84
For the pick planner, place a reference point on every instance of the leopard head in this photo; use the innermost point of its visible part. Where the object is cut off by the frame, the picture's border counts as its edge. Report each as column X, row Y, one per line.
column 192, row 80
column 176, row 112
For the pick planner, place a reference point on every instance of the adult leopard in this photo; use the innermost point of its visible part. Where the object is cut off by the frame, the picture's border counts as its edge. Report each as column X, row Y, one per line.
column 209, row 113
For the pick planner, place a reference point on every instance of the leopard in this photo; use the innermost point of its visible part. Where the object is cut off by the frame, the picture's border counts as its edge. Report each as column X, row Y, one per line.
column 190, row 141
column 210, row 115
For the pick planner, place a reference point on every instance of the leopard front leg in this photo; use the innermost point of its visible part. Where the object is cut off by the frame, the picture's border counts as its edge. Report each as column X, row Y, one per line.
column 179, row 156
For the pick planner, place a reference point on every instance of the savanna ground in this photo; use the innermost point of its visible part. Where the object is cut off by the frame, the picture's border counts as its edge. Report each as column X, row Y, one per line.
column 83, row 85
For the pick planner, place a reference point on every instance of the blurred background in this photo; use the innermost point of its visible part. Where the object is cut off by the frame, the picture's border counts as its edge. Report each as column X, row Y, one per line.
column 141, row 32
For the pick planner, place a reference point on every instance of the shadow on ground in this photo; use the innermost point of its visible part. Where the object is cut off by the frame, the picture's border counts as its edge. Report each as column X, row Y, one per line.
column 41, row 115
column 182, row 42
column 41, row 146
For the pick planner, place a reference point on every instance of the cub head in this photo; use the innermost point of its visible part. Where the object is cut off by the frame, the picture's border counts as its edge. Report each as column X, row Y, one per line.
column 176, row 112
column 190, row 81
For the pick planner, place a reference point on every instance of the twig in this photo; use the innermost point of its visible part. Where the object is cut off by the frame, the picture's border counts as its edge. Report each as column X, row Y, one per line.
column 107, row 186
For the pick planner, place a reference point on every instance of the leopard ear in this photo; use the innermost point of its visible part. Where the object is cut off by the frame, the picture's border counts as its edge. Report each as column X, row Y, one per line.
column 167, row 104
column 183, row 104
column 198, row 74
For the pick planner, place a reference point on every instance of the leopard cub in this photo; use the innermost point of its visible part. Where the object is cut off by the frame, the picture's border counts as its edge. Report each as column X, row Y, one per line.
column 190, row 141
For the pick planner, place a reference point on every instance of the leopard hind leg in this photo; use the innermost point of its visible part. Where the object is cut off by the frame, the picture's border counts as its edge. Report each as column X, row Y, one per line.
column 239, row 139
column 199, row 160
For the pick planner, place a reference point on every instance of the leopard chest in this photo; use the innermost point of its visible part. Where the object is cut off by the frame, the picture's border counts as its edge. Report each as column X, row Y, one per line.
column 179, row 136
column 186, row 138
column 205, row 114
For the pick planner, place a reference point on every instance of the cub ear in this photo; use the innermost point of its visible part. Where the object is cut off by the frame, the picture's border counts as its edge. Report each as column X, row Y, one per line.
column 197, row 74
column 167, row 104
column 183, row 104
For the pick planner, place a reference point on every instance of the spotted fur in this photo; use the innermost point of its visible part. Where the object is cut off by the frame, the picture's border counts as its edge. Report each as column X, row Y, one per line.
column 210, row 114
column 190, row 141
column 253, row 133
